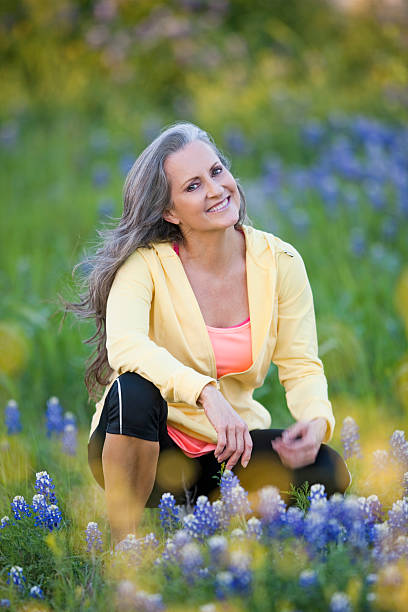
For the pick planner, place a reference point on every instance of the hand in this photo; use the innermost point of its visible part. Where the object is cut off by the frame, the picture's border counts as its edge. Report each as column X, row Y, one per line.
column 234, row 440
column 300, row 443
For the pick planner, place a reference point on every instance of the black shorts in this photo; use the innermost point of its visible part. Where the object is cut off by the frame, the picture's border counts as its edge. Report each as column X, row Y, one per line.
column 134, row 407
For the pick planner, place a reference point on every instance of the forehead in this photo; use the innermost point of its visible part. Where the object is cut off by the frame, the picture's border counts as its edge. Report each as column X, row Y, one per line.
column 190, row 161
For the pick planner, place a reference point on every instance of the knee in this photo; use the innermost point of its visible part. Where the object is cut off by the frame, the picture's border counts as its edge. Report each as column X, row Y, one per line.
column 339, row 477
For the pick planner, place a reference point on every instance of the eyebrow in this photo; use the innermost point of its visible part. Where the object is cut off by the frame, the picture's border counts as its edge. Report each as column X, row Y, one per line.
column 196, row 177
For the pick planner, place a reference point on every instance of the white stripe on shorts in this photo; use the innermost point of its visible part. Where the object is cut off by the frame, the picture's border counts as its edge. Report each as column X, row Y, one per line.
column 120, row 406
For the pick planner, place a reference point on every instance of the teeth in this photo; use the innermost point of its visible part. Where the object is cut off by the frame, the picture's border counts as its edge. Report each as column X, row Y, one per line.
column 219, row 206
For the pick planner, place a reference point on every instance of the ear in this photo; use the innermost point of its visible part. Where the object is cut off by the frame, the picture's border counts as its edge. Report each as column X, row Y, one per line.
column 170, row 217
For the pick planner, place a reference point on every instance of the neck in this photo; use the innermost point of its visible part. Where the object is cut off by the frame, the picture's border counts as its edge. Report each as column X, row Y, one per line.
column 213, row 251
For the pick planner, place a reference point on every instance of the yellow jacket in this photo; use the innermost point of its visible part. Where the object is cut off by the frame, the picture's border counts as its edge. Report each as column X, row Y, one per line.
column 154, row 327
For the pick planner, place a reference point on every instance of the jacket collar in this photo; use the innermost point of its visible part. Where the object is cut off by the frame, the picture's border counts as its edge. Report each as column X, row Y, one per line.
column 261, row 274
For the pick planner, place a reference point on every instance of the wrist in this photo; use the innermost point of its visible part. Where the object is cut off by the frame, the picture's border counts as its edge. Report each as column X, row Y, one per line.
column 206, row 392
column 321, row 425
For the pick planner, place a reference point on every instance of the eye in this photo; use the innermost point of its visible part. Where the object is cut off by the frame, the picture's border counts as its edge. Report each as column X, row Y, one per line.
column 220, row 168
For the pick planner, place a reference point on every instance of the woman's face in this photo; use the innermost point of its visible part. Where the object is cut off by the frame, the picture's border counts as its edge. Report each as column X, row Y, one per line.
column 199, row 182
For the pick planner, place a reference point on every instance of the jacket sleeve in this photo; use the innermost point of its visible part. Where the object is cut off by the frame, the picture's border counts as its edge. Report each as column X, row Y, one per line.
column 128, row 344
column 296, row 353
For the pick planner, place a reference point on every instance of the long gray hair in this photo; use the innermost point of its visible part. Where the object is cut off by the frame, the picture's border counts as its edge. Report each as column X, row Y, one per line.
column 146, row 196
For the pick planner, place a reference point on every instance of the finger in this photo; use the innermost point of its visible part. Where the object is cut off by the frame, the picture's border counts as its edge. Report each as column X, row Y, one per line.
column 221, row 442
column 247, row 449
column 292, row 432
column 239, row 450
column 230, row 444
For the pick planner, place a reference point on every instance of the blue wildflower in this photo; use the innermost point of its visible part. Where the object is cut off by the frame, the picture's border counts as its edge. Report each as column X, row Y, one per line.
column 16, row 577
column 93, row 537
column 254, row 528
column 203, row 522
column 12, row 417
column 54, row 417
column 218, row 549
column 307, row 578
column 169, row 512
column 271, row 508
column 54, row 517
column 398, row 516
column 233, row 496
column 399, row 447
column 380, row 459
column 295, row 521
column 340, row 602
column 69, row 419
column 350, row 438
column 240, row 568
column 191, row 560
column 20, row 507
column 4, row 522
column 45, row 486
column 405, row 484
column 39, row 507
column 36, row 592
column 223, row 584
column 317, row 492
column 69, row 439
column 5, row 603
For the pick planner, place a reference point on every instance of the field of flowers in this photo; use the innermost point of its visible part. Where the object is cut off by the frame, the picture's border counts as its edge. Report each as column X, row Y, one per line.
column 308, row 100
column 345, row 207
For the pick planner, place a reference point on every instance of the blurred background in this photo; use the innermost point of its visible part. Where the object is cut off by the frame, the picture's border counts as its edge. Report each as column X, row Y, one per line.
column 308, row 100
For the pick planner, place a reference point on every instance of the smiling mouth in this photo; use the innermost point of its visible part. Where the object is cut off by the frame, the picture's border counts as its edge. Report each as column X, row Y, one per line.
column 221, row 206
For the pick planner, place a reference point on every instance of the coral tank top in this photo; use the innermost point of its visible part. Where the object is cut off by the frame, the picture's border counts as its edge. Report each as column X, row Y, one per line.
column 233, row 353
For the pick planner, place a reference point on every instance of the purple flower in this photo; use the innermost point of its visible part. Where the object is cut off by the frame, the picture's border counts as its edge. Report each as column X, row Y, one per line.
column 16, row 577
column 54, row 417
column 272, row 509
column 93, row 537
column 5, row 603
column 317, row 492
column 398, row 516
column 12, row 417
column 254, row 528
column 295, row 521
column 233, row 496
column 4, row 522
column 169, row 512
column 380, row 459
column 218, row 548
column 45, row 486
column 350, row 438
column 191, row 560
column 20, row 507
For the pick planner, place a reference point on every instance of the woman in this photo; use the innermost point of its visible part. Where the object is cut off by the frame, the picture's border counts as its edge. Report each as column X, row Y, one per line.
column 191, row 306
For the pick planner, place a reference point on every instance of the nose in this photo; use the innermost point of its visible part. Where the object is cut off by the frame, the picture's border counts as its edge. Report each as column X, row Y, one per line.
column 214, row 188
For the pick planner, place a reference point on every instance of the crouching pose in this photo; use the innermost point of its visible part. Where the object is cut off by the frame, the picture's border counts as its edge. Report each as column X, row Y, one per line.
column 192, row 303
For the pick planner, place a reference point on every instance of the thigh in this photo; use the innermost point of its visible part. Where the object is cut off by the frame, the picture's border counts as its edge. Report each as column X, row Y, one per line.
column 132, row 407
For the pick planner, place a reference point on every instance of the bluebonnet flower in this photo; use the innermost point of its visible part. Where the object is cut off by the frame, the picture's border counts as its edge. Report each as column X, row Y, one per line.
column 191, row 560
column 129, row 598
column 54, row 517
column 16, row 577
column 313, row 132
column 12, row 417
column 380, row 459
column 169, row 512
column 340, row 602
column 398, row 516
column 371, row 579
column 39, row 507
column 69, row 439
column 372, row 512
column 405, row 484
column 350, row 438
column 203, row 522
column 271, row 508
column 233, row 496
column 399, row 447
column 93, row 537
column 236, row 141
column 295, row 521
column 240, row 568
column 5, row 603
column 254, row 528
column 20, row 507
column 218, row 548
column 36, row 592
column 237, row 534
column 357, row 241
column 315, row 528
column 135, row 549
column 223, row 584
column 173, row 546
column 54, row 417
column 4, row 522
column 69, row 419
column 317, row 492
column 307, row 578
column 45, row 486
